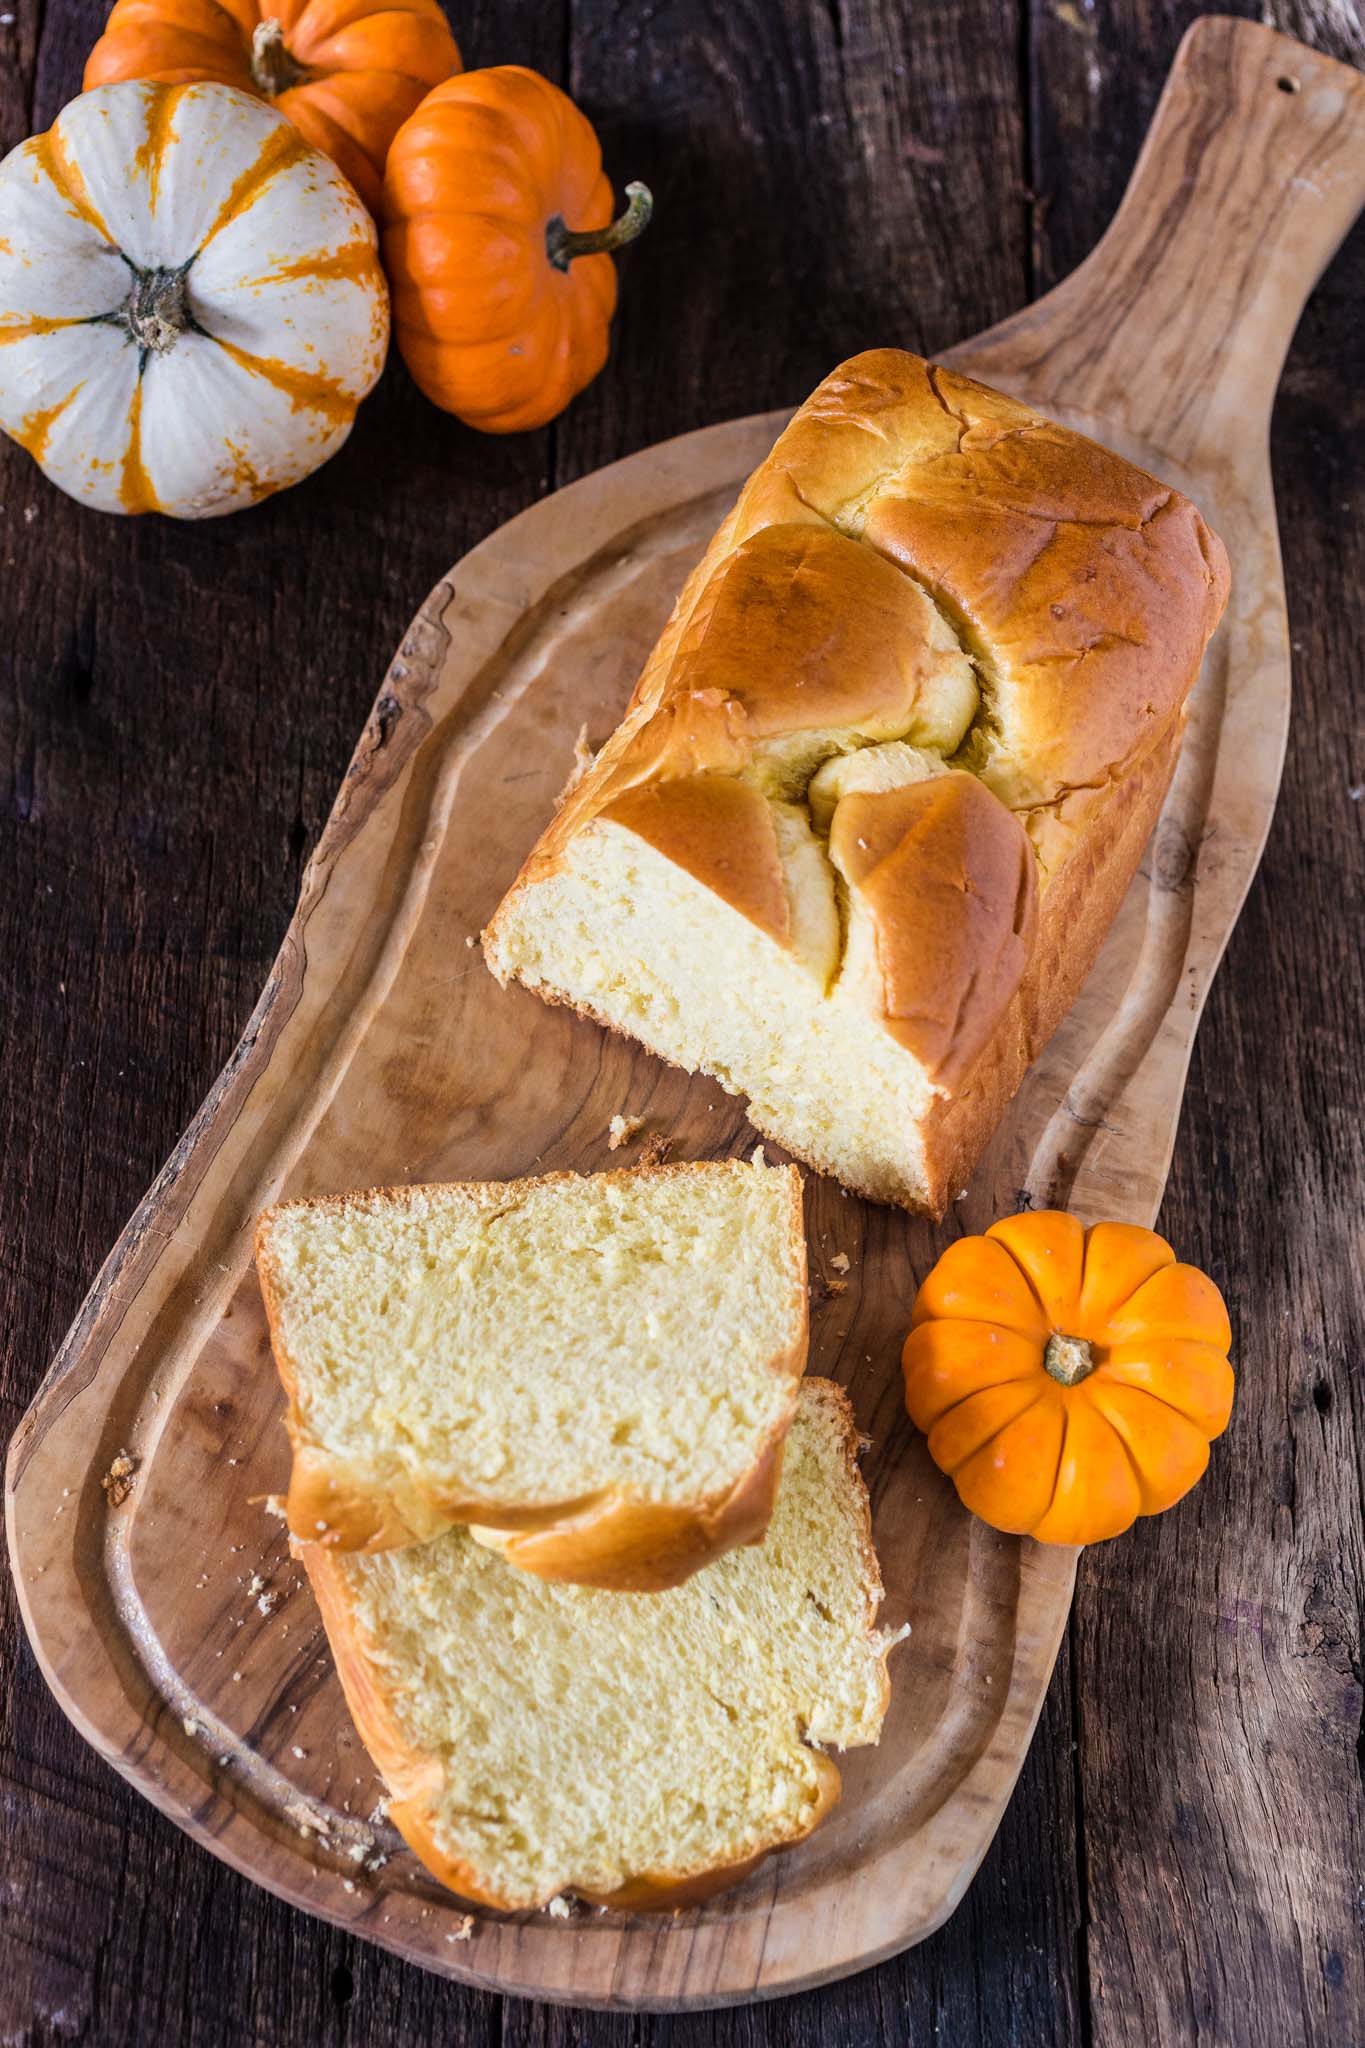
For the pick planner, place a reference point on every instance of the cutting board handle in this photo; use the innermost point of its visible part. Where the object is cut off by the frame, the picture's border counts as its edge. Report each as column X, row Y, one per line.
column 1177, row 324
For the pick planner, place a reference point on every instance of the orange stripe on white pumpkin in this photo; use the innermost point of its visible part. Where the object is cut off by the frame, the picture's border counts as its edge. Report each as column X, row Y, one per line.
column 356, row 263
column 33, row 432
column 40, row 323
column 305, row 389
column 283, row 148
column 135, row 490
column 65, row 174
column 151, row 153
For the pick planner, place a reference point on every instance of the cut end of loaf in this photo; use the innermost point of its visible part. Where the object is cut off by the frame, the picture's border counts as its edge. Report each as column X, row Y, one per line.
column 625, row 934
column 603, row 1366
column 540, row 1739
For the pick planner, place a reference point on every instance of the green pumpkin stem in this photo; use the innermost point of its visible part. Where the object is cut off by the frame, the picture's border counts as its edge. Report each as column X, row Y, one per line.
column 563, row 243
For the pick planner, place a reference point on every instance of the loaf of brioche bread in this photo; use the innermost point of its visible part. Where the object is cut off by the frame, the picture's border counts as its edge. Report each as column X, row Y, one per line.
column 644, row 1751
column 885, row 779
column 598, row 1370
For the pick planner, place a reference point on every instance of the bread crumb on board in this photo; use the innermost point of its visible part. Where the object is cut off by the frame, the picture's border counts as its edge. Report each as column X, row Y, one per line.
column 622, row 1130
column 560, row 1908
column 118, row 1480
column 840, row 1262
column 463, row 1928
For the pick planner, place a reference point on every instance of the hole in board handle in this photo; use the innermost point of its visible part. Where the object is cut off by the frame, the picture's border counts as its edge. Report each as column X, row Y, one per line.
column 1288, row 84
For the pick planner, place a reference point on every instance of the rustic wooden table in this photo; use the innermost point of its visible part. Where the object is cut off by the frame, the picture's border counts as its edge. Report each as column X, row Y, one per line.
column 1182, row 1856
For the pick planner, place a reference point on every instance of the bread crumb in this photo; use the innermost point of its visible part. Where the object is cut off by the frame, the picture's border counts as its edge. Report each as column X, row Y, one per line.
column 191, row 1726
column 347, row 1885
column 273, row 1503
column 656, row 1149
column 305, row 1820
column 118, row 1480
column 560, row 1909
column 463, row 1928
column 267, row 1603
column 470, row 941
column 756, row 1157
column 254, row 1584
column 622, row 1129
column 840, row 1262
column 296, row 1751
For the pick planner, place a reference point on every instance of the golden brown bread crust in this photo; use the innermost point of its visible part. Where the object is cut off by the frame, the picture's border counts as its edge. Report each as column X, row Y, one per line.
column 413, row 1777
column 1078, row 908
column 950, row 884
column 633, row 1546
column 1084, row 592
column 612, row 1539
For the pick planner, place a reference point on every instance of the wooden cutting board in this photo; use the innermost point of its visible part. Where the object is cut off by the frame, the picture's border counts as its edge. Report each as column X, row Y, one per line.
column 166, row 1614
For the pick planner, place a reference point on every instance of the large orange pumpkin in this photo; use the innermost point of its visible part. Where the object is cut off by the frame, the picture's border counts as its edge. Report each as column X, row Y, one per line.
column 346, row 72
column 497, row 232
column 1068, row 1380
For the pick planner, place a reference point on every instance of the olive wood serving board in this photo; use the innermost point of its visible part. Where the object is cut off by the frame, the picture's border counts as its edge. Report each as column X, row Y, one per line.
column 167, row 1616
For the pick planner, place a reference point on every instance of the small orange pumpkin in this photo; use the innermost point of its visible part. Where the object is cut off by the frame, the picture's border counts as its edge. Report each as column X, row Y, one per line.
column 1068, row 1380
column 347, row 73
column 497, row 232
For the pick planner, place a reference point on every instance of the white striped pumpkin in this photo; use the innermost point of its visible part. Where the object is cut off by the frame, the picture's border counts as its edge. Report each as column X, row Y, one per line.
column 191, row 303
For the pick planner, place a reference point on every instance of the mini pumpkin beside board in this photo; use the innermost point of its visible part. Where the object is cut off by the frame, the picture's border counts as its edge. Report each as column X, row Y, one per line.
column 1068, row 1380
column 191, row 303
column 347, row 79
column 497, row 238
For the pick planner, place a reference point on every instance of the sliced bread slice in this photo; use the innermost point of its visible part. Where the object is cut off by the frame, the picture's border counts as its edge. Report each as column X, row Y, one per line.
column 639, row 1752
column 600, row 1370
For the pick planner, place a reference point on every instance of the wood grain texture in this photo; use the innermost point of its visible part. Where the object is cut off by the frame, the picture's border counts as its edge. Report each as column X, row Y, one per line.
column 196, row 763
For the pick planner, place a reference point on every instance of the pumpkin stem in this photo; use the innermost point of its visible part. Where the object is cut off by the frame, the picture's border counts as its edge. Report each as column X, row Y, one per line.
column 1068, row 1359
column 155, row 310
column 563, row 243
column 272, row 68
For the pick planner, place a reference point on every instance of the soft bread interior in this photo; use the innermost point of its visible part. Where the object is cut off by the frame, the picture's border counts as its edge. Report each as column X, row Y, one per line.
column 557, row 1737
column 643, row 945
column 543, row 1342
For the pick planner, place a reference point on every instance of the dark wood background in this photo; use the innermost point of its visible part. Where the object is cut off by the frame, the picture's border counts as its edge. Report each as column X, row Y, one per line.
column 1181, row 1862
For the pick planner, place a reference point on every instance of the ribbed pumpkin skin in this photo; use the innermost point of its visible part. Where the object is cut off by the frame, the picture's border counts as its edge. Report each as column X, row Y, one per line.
column 1068, row 1463
column 369, row 63
column 488, row 326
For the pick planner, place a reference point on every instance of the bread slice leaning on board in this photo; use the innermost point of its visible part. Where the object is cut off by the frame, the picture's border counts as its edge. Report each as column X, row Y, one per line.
column 640, row 1752
column 598, row 1370
column 887, row 775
